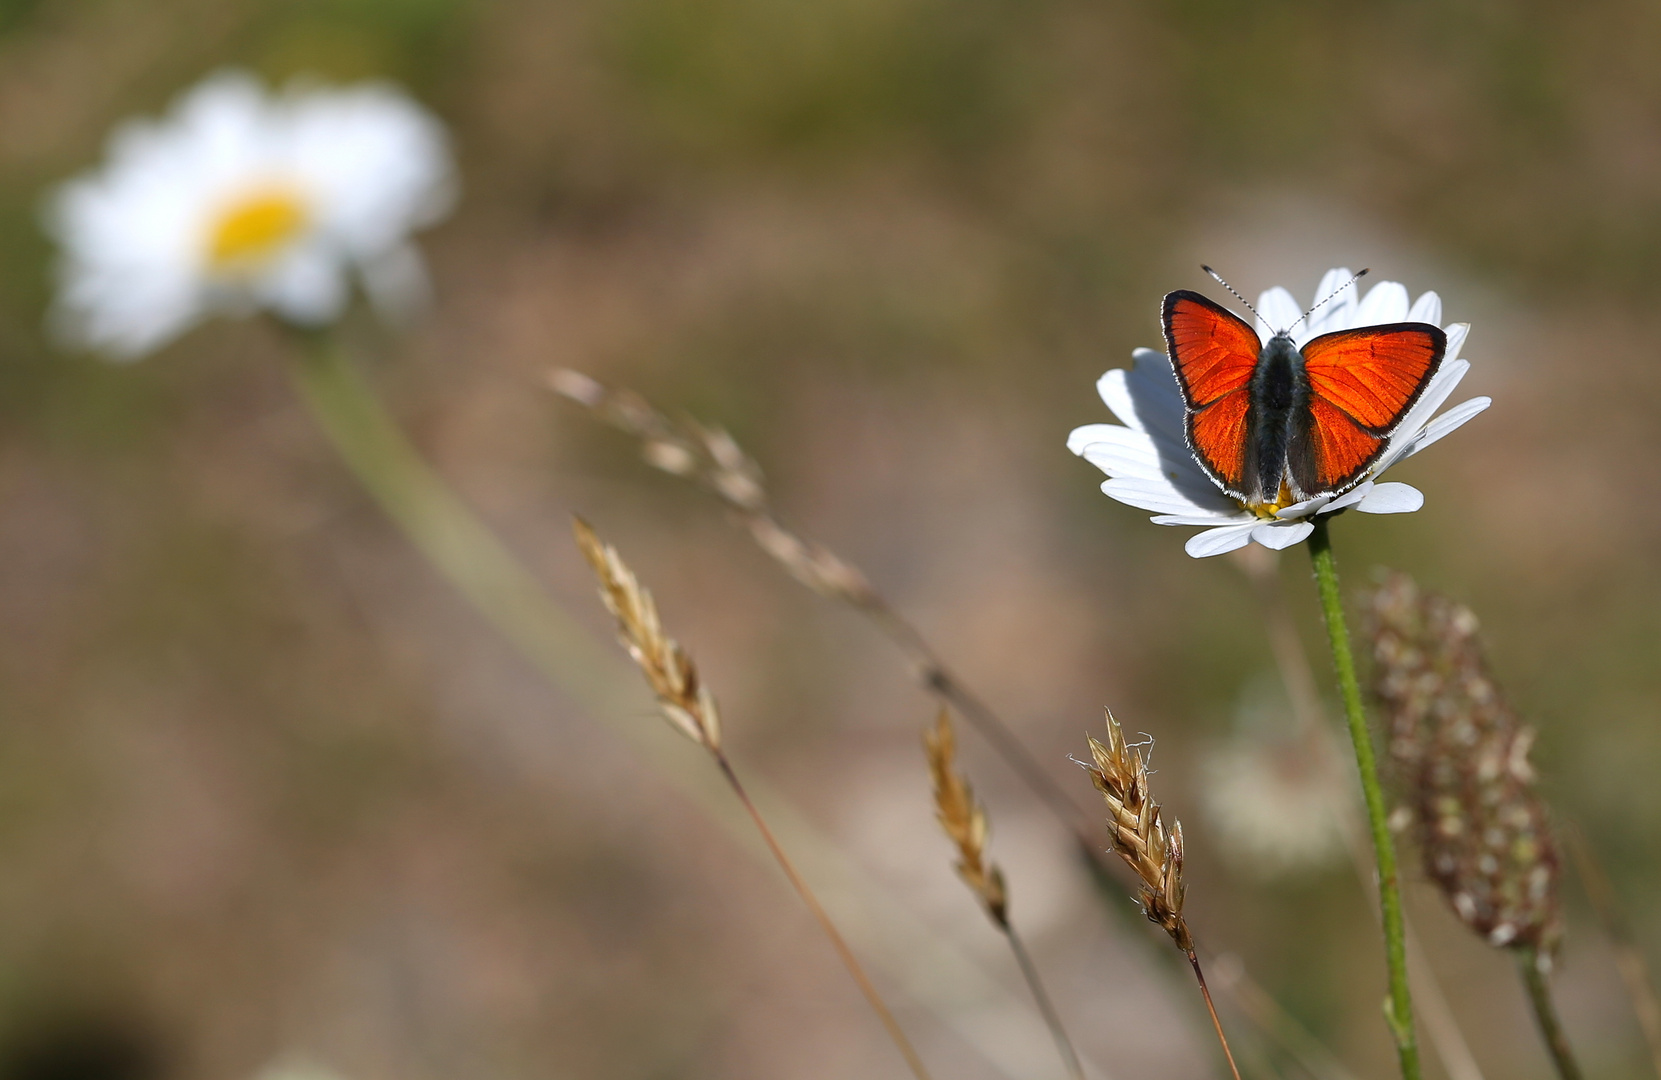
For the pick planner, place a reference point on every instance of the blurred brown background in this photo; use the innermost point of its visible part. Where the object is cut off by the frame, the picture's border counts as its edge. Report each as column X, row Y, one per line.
column 270, row 792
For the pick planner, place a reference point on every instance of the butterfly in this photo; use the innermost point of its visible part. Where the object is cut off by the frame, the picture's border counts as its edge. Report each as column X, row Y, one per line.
column 1273, row 424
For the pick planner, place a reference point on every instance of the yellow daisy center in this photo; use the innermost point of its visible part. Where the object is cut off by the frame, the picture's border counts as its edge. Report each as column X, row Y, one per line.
column 252, row 229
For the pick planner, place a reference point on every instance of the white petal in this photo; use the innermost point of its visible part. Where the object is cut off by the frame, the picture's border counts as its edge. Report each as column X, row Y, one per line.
column 1457, row 333
column 1219, row 541
column 1083, row 436
column 1303, row 509
column 1154, row 495
column 1338, row 313
column 1276, row 311
column 1126, row 459
column 1385, row 302
column 1205, row 520
column 1391, row 498
column 309, row 288
column 1445, row 424
column 1427, row 308
column 1442, row 384
column 1349, row 498
column 1280, row 537
column 1154, row 395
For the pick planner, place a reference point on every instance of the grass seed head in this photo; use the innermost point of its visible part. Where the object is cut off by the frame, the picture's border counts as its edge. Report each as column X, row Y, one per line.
column 1138, row 831
column 964, row 821
column 685, row 700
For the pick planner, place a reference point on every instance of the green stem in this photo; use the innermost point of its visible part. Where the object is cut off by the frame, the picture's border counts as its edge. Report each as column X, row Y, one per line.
column 1545, row 1013
column 1398, row 1007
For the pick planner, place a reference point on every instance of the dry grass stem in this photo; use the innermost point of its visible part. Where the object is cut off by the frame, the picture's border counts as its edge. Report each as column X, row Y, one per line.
column 690, row 707
column 710, row 458
column 964, row 822
column 1137, row 827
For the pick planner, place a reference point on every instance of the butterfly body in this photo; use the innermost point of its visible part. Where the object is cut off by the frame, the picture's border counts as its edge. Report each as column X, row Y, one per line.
column 1272, row 423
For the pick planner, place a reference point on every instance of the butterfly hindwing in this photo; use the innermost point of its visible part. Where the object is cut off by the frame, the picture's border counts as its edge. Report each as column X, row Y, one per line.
column 1361, row 384
column 1213, row 353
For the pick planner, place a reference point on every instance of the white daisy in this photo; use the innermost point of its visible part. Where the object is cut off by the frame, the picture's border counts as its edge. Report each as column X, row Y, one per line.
column 1149, row 465
column 240, row 200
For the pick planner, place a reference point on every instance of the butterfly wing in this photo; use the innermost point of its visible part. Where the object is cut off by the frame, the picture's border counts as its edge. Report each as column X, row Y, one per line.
column 1361, row 382
column 1214, row 353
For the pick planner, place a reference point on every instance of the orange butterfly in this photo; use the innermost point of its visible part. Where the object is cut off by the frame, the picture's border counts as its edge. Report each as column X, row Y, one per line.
column 1273, row 424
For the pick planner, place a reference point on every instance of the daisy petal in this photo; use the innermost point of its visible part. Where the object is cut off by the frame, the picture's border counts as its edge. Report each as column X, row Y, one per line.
column 1457, row 333
column 1203, row 520
column 1219, row 541
column 1280, row 537
column 1160, row 498
column 1427, row 308
column 1385, row 302
column 1446, row 423
column 1391, row 498
column 1276, row 311
column 1348, row 499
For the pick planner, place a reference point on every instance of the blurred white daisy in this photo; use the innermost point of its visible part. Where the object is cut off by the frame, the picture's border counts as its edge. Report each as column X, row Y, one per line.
column 1149, row 465
column 241, row 200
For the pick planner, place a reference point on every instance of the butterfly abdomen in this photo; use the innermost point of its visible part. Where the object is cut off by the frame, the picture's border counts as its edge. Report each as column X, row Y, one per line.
column 1279, row 396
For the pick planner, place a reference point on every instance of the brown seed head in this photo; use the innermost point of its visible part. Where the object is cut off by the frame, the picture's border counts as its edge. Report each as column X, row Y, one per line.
column 1462, row 759
column 1138, row 831
column 685, row 700
column 964, row 821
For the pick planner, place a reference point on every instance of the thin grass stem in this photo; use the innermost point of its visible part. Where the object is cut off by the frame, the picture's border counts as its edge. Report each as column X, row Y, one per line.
column 1205, row 992
column 1399, row 1004
column 1046, row 1007
column 1545, row 1013
column 851, row 962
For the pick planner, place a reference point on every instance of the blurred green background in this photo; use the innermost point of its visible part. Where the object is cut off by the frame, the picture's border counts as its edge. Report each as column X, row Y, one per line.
column 269, row 791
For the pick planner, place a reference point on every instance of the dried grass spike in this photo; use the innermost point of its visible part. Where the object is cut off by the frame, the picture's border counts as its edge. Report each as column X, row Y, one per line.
column 686, row 702
column 964, row 821
column 1138, row 831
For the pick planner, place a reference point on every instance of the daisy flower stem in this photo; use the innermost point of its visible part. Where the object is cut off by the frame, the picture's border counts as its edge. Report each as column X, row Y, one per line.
column 438, row 523
column 1398, row 1009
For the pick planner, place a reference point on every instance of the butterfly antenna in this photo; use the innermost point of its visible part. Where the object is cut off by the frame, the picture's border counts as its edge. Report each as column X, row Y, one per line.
column 1329, row 296
column 1233, row 290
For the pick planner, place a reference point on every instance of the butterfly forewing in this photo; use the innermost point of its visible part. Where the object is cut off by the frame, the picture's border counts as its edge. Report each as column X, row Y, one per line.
column 1213, row 353
column 1376, row 373
column 1361, row 384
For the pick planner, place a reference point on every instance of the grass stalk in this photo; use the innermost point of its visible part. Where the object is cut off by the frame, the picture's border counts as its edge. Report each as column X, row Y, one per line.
column 690, row 708
column 964, row 821
column 1399, row 1004
column 1046, row 1007
column 1532, row 965
column 849, row 960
